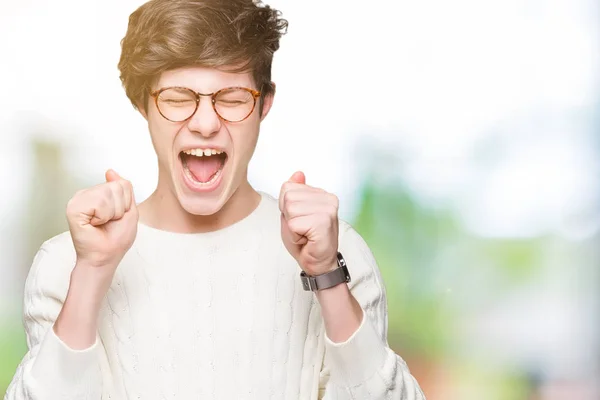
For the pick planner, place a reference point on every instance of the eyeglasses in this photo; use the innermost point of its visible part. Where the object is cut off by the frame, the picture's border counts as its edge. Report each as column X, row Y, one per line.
column 232, row 104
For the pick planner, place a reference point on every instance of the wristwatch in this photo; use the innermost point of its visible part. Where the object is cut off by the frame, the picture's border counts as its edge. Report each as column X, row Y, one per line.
column 327, row 280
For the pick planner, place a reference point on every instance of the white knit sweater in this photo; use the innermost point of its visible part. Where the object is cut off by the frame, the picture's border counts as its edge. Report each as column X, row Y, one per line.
column 219, row 315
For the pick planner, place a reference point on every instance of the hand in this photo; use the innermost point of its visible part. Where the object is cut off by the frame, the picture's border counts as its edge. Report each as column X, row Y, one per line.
column 103, row 222
column 309, row 225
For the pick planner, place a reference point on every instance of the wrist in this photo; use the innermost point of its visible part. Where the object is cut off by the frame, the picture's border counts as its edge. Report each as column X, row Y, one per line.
column 89, row 285
column 93, row 275
column 316, row 270
column 334, row 276
column 334, row 295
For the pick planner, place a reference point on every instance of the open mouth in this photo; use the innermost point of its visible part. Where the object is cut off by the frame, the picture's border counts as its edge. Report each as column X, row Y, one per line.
column 203, row 166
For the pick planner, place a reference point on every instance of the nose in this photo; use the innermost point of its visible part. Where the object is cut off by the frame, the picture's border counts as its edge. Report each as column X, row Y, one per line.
column 205, row 120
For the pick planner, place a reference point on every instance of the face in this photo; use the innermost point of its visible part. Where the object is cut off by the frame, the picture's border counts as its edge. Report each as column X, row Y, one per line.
column 204, row 159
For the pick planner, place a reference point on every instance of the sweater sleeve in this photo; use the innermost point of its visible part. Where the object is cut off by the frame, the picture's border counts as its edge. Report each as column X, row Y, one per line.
column 364, row 366
column 50, row 369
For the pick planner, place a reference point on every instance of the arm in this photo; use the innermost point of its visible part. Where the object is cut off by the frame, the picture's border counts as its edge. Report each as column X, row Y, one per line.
column 62, row 303
column 358, row 362
column 53, row 369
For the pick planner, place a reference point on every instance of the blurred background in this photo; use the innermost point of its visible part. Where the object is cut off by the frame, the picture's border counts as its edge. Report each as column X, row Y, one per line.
column 463, row 139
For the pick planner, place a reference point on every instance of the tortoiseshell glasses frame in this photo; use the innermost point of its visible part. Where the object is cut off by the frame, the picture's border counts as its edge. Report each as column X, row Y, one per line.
column 246, row 110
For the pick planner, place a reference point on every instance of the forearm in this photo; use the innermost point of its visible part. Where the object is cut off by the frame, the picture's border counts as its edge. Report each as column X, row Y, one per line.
column 65, row 367
column 77, row 322
column 342, row 314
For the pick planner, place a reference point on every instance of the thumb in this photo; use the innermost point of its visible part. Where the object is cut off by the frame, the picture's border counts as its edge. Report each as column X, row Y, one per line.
column 298, row 177
column 112, row 176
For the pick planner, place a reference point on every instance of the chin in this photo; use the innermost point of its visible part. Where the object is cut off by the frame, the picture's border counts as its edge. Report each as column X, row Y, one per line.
column 203, row 203
column 201, row 207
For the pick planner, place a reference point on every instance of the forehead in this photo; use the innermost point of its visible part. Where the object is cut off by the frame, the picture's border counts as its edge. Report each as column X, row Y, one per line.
column 204, row 80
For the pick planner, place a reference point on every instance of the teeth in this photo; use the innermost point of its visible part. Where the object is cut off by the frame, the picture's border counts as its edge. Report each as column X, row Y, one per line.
column 202, row 152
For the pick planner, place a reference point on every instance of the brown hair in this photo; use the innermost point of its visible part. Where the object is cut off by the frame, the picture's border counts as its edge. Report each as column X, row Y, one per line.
column 233, row 35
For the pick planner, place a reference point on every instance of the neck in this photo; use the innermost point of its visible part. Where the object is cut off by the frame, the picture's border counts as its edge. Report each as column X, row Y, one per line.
column 163, row 211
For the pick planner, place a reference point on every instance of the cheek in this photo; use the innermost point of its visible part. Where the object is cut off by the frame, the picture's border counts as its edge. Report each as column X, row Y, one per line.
column 244, row 141
column 162, row 135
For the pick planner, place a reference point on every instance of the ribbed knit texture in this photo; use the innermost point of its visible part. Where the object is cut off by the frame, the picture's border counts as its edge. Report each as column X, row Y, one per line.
column 219, row 315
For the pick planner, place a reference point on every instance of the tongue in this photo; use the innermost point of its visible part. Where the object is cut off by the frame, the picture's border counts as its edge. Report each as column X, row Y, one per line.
column 203, row 168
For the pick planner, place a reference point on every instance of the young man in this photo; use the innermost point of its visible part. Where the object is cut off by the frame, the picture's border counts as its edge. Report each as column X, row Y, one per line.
column 208, row 289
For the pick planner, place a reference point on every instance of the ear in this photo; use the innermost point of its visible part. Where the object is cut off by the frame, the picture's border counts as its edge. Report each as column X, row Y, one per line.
column 268, row 102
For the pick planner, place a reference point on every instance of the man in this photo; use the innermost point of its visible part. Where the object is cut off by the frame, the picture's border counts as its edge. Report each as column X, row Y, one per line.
column 208, row 289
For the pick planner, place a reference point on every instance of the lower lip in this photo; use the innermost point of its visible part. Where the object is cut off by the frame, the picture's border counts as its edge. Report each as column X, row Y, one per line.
column 202, row 188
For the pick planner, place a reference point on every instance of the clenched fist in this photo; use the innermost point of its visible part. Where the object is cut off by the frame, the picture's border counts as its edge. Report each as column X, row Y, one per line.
column 103, row 222
column 309, row 225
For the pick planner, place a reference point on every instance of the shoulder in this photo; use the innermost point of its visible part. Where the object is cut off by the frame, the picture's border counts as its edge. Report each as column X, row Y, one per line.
column 59, row 248
column 354, row 244
column 52, row 265
column 360, row 260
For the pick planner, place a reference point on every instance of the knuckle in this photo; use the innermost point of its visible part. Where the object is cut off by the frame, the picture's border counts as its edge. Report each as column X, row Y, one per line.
column 127, row 189
column 287, row 186
column 292, row 208
column 333, row 211
column 103, row 202
column 117, row 188
column 108, row 192
column 334, row 200
column 287, row 197
column 103, row 198
column 127, row 186
column 75, row 201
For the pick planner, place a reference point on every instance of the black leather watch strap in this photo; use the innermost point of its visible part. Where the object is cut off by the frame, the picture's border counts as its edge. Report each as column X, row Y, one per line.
column 327, row 280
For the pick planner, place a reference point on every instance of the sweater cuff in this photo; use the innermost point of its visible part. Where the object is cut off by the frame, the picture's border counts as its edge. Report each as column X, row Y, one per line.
column 359, row 358
column 60, row 367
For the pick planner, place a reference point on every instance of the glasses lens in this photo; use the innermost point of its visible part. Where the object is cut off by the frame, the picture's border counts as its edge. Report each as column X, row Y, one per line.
column 177, row 104
column 234, row 104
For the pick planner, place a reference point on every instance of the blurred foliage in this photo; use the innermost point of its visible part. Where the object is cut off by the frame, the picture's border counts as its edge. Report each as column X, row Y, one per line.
column 50, row 189
column 519, row 260
column 419, row 248
column 12, row 349
column 404, row 237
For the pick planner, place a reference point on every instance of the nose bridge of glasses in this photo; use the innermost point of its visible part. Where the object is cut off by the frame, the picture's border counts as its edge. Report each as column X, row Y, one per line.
column 210, row 108
column 199, row 95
